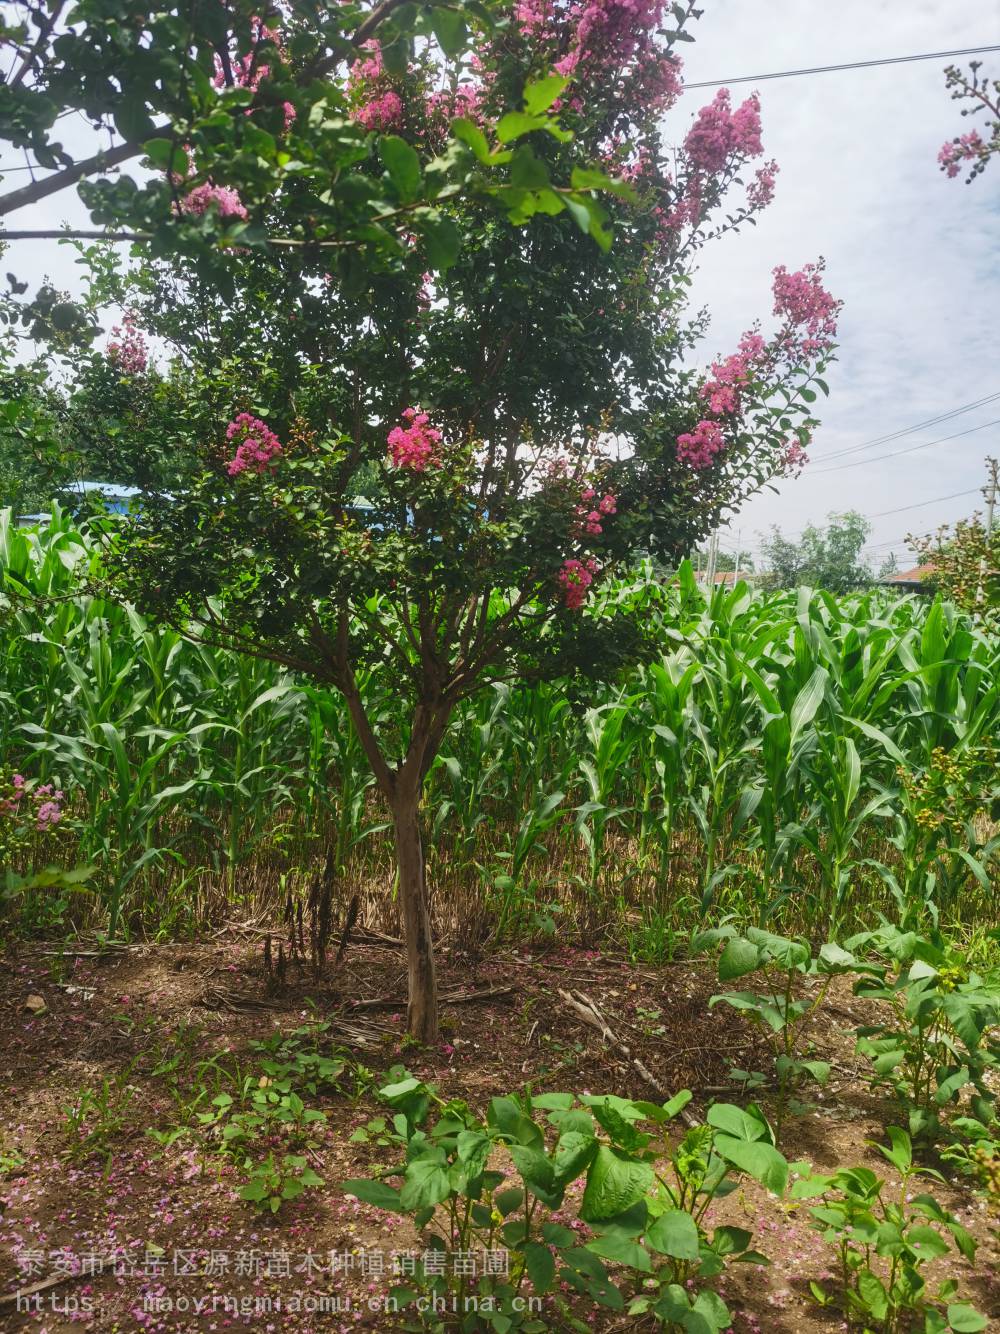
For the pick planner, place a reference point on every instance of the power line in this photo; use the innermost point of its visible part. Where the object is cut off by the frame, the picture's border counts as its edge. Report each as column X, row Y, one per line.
column 853, row 64
column 909, row 430
column 920, row 505
column 910, row 449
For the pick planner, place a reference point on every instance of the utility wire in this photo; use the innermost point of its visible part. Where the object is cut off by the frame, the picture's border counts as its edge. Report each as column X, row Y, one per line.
column 853, row 64
column 920, row 504
column 910, row 449
column 909, row 430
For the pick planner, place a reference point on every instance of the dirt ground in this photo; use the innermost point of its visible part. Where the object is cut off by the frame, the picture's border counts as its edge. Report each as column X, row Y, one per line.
column 132, row 1238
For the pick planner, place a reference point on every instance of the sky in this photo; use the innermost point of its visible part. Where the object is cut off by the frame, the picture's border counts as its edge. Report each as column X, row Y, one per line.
column 913, row 255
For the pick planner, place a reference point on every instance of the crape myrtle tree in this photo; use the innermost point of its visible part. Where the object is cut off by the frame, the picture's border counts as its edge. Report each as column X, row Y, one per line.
column 426, row 466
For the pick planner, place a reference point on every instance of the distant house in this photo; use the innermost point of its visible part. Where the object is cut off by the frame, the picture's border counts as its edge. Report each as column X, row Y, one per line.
column 117, row 499
column 916, row 580
column 729, row 578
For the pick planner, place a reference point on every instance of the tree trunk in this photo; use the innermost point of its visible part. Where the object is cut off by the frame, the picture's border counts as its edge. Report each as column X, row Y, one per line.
column 422, row 1012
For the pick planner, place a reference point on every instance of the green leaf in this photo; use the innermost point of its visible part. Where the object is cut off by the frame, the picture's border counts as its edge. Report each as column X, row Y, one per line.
column 873, row 1294
column 515, row 124
column 748, row 1124
column 427, row 1183
column 761, row 1161
column 729, row 1240
column 540, row 1264
column 442, row 241
column 540, row 95
column 614, row 1182
column 167, row 155
column 507, row 1201
column 621, row 1250
column 965, row 1319
column 373, row 1192
column 402, row 164
column 737, row 959
column 470, row 133
column 450, row 30
column 675, row 1233
column 392, row 1091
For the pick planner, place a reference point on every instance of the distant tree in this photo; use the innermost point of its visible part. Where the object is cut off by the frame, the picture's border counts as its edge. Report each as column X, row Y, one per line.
column 972, row 150
column 726, row 560
column 829, row 557
column 31, row 467
column 966, row 561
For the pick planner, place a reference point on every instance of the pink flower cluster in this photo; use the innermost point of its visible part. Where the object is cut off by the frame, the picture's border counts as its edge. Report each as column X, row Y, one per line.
column 720, row 134
column 381, row 107
column 574, row 579
column 728, row 376
column 605, row 40
column 128, row 349
column 258, row 445
column 382, row 113
column 699, row 447
column 968, row 148
column 718, row 141
column 47, row 801
column 760, row 191
column 246, row 73
column 590, row 516
column 794, row 458
column 417, row 445
column 226, row 200
column 808, row 308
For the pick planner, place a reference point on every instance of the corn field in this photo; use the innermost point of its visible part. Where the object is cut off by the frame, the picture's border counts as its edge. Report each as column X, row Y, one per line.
column 798, row 760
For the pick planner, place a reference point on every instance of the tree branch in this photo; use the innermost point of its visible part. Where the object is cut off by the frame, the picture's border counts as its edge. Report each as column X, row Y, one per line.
column 31, row 194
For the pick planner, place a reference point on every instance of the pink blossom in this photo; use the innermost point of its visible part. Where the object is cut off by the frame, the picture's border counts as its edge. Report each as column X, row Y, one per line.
column 967, row 148
column 48, row 814
column 794, row 458
column 128, row 350
column 226, row 200
column 808, row 308
column 246, row 72
column 574, row 579
column 603, row 41
column 720, row 134
column 416, row 445
column 699, row 447
column 258, row 445
column 381, row 113
column 588, row 517
column 760, row 191
column 727, row 377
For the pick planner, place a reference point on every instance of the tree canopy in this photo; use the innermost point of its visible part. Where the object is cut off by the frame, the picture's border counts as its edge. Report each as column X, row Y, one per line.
column 425, row 389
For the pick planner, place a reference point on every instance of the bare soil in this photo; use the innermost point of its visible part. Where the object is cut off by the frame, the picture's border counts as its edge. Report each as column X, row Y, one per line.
column 67, row 1225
